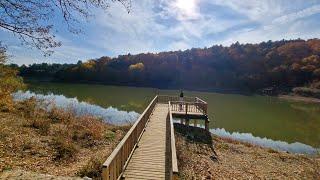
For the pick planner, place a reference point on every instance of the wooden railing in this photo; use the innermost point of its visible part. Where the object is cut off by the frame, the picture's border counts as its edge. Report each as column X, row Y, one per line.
column 173, row 169
column 185, row 104
column 165, row 99
column 189, row 107
column 202, row 105
column 186, row 107
column 118, row 160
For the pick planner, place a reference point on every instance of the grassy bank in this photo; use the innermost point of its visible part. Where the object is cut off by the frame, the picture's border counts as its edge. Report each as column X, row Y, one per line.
column 205, row 156
column 55, row 142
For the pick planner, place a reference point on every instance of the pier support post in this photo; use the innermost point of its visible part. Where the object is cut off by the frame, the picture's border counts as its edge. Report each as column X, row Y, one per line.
column 195, row 123
column 206, row 124
column 187, row 122
column 181, row 121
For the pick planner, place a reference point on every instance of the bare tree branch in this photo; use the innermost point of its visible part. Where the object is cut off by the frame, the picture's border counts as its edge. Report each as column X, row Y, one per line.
column 32, row 20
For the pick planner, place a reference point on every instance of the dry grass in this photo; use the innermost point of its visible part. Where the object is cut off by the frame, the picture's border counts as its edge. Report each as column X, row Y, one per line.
column 55, row 142
column 218, row 158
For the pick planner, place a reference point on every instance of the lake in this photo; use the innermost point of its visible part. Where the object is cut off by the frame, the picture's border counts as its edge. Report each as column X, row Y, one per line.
column 261, row 116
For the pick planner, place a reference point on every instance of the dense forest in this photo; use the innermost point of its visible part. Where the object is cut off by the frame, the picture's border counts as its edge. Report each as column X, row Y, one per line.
column 274, row 65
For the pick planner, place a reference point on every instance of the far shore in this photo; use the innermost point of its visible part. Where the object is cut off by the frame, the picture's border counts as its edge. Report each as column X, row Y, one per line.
column 299, row 98
column 291, row 97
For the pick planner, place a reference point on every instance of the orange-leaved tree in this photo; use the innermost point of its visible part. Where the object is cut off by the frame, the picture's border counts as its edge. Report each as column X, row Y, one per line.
column 9, row 82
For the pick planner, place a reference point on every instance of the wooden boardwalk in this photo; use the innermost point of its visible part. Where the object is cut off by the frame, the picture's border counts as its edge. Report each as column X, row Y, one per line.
column 149, row 159
column 148, row 149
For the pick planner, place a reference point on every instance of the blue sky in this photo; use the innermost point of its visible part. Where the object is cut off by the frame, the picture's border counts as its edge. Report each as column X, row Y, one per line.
column 159, row 25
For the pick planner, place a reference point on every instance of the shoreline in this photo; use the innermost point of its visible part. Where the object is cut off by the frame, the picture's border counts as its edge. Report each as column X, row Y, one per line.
column 266, row 143
column 299, row 98
column 291, row 97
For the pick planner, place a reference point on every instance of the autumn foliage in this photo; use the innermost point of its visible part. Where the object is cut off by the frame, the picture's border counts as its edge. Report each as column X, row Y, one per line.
column 9, row 82
column 280, row 65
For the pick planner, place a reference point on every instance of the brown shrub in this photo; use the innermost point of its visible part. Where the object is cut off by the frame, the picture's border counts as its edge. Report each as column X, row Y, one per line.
column 88, row 127
column 65, row 148
column 42, row 125
column 93, row 168
column 307, row 92
column 6, row 103
column 28, row 108
column 58, row 115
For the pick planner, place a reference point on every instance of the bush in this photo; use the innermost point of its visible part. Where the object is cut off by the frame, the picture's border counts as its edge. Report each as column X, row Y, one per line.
column 89, row 127
column 308, row 92
column 64, row 148
column 315, row 85
column 41, row 124
column 28, row 108
column 93, row 168
column 9, row 82
column 109, row 135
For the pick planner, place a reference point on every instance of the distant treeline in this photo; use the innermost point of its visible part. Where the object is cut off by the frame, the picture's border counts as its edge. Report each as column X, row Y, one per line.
column 279, row 65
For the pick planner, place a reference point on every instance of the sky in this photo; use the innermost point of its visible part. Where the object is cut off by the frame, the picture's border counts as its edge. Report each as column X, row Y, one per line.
column 169, row 25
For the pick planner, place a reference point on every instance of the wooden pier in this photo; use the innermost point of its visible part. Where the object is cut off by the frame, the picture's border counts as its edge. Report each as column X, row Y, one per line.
column 148, row 150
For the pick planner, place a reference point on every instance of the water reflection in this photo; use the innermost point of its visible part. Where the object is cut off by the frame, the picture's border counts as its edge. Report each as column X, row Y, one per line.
column 261, row 116
column 295, row 147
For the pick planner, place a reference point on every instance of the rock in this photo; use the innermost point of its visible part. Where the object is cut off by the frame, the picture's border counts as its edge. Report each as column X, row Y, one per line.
column 87, row 178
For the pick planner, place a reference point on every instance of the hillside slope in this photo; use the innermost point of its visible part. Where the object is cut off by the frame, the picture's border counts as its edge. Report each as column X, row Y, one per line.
column 201, row 156
column 56, row 142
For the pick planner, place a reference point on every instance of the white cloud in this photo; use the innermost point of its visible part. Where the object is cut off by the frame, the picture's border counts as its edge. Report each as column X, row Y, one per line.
column 304, row 29
column 160, row 25
column 180, row 45
column 297, row 15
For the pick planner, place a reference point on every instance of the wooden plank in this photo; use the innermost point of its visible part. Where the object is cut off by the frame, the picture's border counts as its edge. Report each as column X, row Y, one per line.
column 146, row 172
column 161, row 170
column 148, row 154
column 150, row 165
column 147, row 163
column 155, row 152
column 139, row 176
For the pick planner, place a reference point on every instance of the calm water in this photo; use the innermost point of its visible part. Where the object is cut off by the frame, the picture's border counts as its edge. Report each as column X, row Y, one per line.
column 259, row 115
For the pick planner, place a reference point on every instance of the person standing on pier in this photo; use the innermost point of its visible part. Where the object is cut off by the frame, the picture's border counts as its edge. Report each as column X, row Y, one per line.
column 181, row 99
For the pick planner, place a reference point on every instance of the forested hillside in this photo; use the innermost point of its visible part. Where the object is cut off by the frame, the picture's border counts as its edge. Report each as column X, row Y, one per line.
column 279, row 65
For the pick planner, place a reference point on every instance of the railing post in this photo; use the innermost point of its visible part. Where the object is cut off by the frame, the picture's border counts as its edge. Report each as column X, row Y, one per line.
column 105, row 173
column 186, row 108
column 206, row 108
column 207, row 124
column 187, row 121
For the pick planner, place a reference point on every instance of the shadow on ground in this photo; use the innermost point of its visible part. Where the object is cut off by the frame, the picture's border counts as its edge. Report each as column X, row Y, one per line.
column 194, row 134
